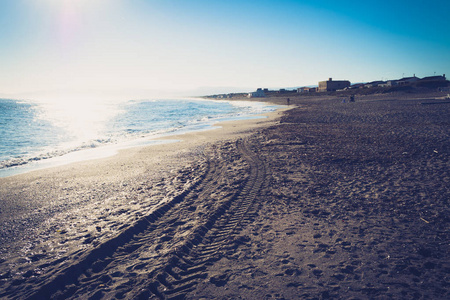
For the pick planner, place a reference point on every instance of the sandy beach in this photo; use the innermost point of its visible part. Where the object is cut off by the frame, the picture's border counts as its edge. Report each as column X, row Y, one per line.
column 325, row 200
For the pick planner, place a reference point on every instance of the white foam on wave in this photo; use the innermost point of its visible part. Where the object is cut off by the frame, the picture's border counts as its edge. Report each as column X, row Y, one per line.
column 104, row 146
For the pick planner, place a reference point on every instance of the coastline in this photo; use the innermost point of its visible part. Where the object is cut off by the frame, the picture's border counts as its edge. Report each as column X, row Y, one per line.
column 323, row 200
column 95, row 149
column 37, row 198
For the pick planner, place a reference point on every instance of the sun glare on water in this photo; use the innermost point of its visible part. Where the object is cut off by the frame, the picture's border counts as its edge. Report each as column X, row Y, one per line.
column 82, row 118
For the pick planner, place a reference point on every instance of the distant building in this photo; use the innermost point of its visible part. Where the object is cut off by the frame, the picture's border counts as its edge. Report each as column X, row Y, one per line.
column 258, row 94
column 434, row 78
column 374, row 84
column 333, row 85
column 306, row 89
column 407, row 80
column 391, row 82
column 356, row 86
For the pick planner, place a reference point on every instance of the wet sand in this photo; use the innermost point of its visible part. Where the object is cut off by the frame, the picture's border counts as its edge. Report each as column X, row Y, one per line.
column 326, row 200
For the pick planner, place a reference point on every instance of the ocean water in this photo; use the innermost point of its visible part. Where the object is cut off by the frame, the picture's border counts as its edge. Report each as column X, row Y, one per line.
column 38, row 134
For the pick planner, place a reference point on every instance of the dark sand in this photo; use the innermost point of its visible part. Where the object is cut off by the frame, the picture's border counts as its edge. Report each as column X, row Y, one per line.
column 331, row 201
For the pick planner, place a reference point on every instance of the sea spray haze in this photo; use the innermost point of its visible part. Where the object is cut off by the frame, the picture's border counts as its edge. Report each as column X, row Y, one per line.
column 34, row 133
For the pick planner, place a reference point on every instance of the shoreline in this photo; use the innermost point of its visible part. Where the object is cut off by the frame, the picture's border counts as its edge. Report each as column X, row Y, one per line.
column 36, row 187
column 109, row 150
column 323, row 200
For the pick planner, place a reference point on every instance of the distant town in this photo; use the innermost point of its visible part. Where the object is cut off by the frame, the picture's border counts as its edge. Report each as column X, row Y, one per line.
column 438, row 83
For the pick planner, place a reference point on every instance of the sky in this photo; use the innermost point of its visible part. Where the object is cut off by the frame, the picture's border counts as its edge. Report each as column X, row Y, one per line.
column 139, row 47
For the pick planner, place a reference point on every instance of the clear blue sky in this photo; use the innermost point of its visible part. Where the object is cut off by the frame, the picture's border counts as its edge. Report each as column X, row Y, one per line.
column 185, row 45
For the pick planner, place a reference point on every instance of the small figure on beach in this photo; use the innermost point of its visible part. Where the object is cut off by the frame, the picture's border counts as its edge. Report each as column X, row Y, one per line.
column 288, row 101
column 352, row 98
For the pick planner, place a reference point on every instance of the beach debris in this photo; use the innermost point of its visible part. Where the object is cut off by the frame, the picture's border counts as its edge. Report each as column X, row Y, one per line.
column 350, row 99
column 425, row 220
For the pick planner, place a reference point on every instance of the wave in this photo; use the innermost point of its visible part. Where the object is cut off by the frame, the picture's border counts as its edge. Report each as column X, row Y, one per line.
column 141, row 122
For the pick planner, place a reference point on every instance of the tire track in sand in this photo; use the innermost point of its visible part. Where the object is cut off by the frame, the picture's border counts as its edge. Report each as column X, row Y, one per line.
column 164, row 254
column 188, row 265
column 88, row 270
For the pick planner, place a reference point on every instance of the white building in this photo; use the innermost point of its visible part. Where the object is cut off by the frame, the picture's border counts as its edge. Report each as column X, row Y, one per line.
column 258, row 94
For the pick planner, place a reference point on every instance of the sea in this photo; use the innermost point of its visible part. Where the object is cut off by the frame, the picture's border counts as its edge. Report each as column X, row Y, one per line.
column 36, row 134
